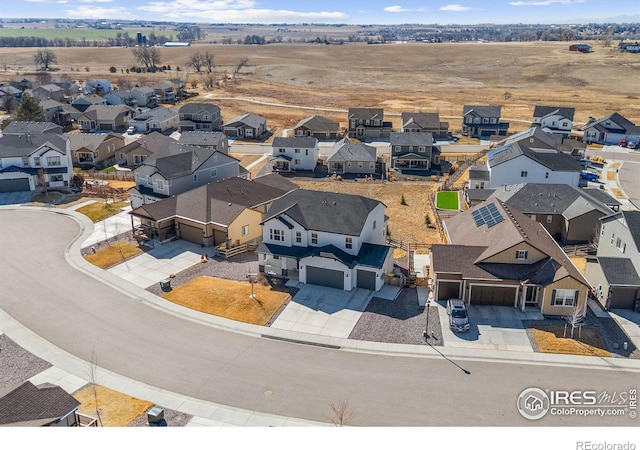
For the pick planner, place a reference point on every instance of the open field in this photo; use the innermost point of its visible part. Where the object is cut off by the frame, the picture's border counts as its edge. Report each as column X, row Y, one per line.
column 398, row 77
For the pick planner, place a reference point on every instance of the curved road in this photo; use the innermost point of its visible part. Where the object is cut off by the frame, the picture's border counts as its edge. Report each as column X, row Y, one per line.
column 68, row 306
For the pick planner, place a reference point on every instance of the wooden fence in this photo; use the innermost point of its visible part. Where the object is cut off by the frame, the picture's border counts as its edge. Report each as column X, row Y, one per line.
column 121, row 175
column 227, row 253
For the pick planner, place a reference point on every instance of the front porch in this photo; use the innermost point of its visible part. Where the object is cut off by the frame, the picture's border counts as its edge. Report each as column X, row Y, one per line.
column 412, row 161
column 281, row 163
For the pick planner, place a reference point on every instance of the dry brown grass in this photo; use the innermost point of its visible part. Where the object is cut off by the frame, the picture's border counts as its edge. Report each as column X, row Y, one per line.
column 580, row 262
column 549, row 339
column 230, row 299
column 113, row 254
column 119, row 184
column 246, row 159
column 100, row 210
column 116, row 409
column 618, row 193
column 611, row 175
column 406, row 222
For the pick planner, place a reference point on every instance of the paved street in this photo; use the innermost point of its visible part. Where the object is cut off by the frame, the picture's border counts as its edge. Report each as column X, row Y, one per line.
column 192, row 354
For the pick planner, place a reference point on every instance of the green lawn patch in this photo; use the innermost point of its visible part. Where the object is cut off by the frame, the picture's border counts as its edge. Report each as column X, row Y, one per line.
column 447, row 200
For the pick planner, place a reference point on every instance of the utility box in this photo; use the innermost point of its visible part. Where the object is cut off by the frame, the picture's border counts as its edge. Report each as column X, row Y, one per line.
column 165, row 285
column 155, row 416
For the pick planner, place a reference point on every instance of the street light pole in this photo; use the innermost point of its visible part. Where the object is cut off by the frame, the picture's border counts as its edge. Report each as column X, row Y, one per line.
column 426, row 329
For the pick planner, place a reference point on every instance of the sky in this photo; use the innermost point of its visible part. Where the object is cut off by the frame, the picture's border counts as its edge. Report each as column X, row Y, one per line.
column 329, row 11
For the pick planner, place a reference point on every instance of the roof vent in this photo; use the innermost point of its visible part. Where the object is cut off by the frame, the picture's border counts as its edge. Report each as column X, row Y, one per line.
column 335, row 203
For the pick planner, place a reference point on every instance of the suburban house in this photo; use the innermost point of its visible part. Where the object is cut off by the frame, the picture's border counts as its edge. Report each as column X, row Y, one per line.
column 294, row 153
column 213, row 140
column 574, row 148
column 483, row 121
column 22, row 128
column 570, row 214
column 554, row 119
column 200, row 117
column 227, row 212
column 614, row 271
column 248, row 126
column 121, row 97
column 57, row 113
column 528, row 157
column 347, row 157
column 97, row 150
column 83, row 103
column 610, row 130
column 49, row 91
column 105, row 118
column 419, row 122
column 157, row 119
column 413, row 151
column 498, row 256
column 318, row 127
column 44, row 405
column 145, row 96
column 134, row 153
column 30, row 161
column 177, row 168
column 10, row 91
column 328, row 239
column 582, row 48
column 165, row 91
column 98, row 87
column 629, row 47
column 367, row 123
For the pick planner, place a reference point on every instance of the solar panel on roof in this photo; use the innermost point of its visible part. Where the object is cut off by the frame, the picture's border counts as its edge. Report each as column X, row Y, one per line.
column 488, row 215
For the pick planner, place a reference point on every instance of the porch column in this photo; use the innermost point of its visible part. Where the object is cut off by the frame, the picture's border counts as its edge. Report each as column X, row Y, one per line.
column 523, row 298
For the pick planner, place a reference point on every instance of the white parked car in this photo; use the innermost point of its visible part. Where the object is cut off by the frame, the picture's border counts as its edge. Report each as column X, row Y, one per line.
column 458, row 317
column 131, row 130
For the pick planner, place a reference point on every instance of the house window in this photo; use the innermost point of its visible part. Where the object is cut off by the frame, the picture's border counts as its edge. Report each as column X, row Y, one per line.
column 531, row 140
column 36, row 161
column 564, row 297
column 521, row 254
column 195, row 177
column 306, row 152
column 397, row 149
column 160, row 184
column 367, row 122
column 53, row 161
column 485, row 120
column 245, row 230
column 296, row 161
column 565, row 124
column 276, row 235
column 55, row 177
column 281, row 150
column 214, row 172
column 371, row 165
column 25, row 161
column 374, row 224
column 314, row 238
column 421, row 149
column 620, row 245
column 376, row 123
column 298, row 237
column 469, row 120
column 613, row 235
column 348, row 242
column 494, row 120
column 524, row 174
column 297, row 150
column 549, row 218
column 360, row 165
column 138, row 159
column 533, row 217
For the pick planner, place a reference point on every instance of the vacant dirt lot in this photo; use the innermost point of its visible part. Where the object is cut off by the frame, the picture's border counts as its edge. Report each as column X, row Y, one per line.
column 398, row 77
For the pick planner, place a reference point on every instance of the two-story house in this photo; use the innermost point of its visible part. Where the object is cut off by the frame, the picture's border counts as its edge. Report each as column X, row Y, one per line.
column 611, row 129
column 214, row 140
column 413, row 151
column 227, row 212
column 145, row 96
column 483, row 121
column 348, row 157
column 97, row 150
column 177, row 168
column 319, row 127
column 367, row 123
column 105, row 118
column 196, row 116
column 248, row 126
column 295, row 153
column 165, row 91
column 31, row 161
column 554, row 119
column 134, row 153
column 99, row 87
column 614, row 272
column 328, row 239
column 498, row 256
column 49, row 91
column 419, row 122
column 83, row 103
column 157, row 119
column 121, row 97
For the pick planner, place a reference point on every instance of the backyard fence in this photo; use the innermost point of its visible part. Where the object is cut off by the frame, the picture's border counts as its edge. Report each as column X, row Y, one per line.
column 120, row 175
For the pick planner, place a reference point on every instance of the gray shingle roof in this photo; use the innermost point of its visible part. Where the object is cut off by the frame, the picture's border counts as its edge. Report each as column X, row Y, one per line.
column 479, row 172
column 619, row 271
column 31, row 405
column 151, row 142
column 413, row 139
column 552, row 159
column 370, row 255
column 177, row 160
column 325, row 211
column 18, row 127
column 479, row 194
column 422, row 120
column 601, row 196
column 298, row 142
column 196, row 107
column 366, row 113
column 157, row 113
column 613, row 117
column 109, row 112
column 250, row 120
column 202, row 137
column 345, row 150
column 549, row 140
column 90, row 141
column 19, row 145
column 543, row 111
column 318, row 123
column 482, row 110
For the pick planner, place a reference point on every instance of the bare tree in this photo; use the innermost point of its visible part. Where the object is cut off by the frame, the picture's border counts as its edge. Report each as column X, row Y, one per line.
column 196, row 61
column 341, row 414
column 242, row 63
column 207, row 60
column 147, row 56
column 9, row 103
column 93, row 371
column 608, row 37
column 44, row 58
column 574, row 319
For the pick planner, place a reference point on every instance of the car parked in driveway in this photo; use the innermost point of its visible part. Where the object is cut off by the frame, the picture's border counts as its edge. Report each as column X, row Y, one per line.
column 131, row 130
column 458, row 315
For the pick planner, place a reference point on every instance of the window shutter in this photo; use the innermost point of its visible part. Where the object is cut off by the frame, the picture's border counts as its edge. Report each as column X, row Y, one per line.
column 553, row 297
column 575, row 298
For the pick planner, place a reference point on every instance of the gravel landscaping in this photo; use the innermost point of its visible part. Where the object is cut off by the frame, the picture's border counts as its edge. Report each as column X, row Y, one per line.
column 399, row 321
column 16, row 364
column 171, row 419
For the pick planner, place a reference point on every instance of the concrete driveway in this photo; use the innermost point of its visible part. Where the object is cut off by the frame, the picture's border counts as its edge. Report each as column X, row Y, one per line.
column 630, row 322
column 492, row 328
column 15, row 198
column 109, row 227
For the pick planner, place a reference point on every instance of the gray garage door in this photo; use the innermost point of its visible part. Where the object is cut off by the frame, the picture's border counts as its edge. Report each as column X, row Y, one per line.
column 492, row 295
column 16, row 185
column 623, row 298
column 325, row 277
column 448, row 289
column 191, row 234
column 366, row 280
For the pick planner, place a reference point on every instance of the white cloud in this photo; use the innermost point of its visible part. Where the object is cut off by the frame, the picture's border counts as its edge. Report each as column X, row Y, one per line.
column 93, row 12
column 455, row 7
column 396, row 9
column 545, row 2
